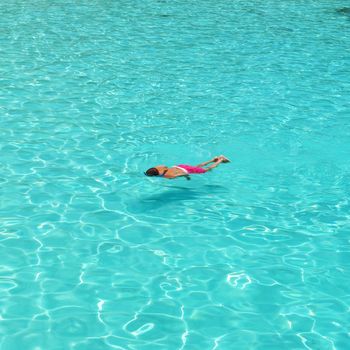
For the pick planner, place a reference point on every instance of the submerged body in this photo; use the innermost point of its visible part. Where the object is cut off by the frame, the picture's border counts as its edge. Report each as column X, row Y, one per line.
column 184, row 169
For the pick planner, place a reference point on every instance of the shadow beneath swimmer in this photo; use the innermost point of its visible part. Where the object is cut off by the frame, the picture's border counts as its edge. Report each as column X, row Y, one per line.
column 173, row 195
column 343, row 11
column 217, row 188
column 180, row 194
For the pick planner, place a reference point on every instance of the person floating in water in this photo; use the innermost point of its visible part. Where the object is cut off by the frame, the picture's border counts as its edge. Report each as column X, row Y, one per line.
column 185, row 170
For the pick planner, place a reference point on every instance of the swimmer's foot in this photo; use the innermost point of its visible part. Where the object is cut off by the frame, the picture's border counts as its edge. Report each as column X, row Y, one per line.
column 224, row 159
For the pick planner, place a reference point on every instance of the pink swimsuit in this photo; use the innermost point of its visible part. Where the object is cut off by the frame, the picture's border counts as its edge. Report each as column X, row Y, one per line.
column 190, row 169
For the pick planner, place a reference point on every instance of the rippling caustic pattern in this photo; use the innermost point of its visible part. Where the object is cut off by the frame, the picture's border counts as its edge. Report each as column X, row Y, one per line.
column 254, row 255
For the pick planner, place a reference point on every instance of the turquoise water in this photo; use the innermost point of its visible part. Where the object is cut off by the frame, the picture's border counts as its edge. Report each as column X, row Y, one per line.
column 255, row 255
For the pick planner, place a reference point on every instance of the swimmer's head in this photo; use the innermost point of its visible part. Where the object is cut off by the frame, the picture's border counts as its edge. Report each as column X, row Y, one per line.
column 152, row 172
column 158, row 170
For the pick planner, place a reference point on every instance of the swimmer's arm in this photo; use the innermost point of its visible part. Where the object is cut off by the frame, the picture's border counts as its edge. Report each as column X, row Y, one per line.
column 175, row 176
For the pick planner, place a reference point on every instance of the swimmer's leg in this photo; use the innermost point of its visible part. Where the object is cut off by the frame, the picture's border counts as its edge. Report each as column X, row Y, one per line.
column 218, row 161
column 208, row 162
column 214, row 160
column 224, row 159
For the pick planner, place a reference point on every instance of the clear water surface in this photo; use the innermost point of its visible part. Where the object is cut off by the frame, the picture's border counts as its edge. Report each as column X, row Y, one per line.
column 255, row 255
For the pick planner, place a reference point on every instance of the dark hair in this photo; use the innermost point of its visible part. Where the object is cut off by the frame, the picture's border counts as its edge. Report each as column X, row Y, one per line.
column 152, row 172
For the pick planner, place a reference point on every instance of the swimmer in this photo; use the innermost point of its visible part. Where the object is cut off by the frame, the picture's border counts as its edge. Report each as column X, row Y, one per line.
column 185, row 170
